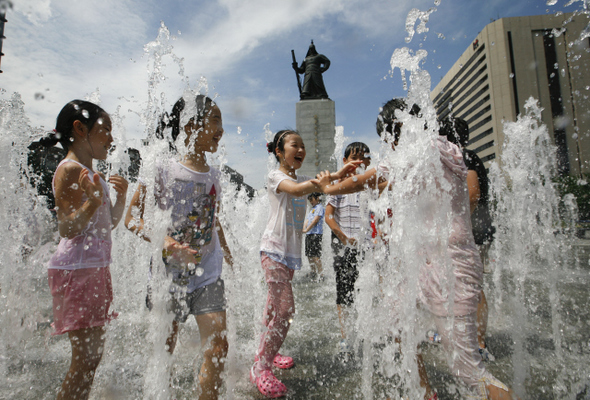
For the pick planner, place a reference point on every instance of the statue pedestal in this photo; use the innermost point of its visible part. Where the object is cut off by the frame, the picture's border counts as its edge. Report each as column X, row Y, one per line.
column 316, row 123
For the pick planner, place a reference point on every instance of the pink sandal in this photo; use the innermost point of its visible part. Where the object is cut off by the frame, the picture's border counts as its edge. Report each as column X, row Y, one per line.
column 268, row 384
column 283, row 362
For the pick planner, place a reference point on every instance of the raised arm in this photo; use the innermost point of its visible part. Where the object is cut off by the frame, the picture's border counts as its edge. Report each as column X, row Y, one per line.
column 299, row 188
column 134, row 218
column 120, row 185
column 354, row 184
column 474, row 190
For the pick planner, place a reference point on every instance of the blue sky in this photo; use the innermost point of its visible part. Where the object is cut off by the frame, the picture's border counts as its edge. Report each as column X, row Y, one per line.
column 58, row 50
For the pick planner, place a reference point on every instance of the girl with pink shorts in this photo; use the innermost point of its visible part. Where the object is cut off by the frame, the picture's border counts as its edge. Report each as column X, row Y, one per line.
column 79, row 275
column 280, row 253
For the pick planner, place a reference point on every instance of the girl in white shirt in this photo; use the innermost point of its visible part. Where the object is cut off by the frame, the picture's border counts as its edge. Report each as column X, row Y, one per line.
column 280, row 253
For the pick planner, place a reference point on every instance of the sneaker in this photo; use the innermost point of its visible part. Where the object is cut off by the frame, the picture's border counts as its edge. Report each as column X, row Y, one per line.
column 486, row 355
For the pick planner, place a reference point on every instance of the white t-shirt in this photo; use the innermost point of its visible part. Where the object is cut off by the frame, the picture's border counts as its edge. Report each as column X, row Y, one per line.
column 281, row 239
column 193, row 198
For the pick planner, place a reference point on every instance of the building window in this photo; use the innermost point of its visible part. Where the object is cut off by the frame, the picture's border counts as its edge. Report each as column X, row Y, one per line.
column 484, row 146
column 488, row 158
column 481, row 135
column 481, row 123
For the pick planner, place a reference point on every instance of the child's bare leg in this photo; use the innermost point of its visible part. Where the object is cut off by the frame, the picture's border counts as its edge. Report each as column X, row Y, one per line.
column 316, row 264
column 496, row 393
column 423, row 377
column 171, row 340
column 87, row 348
column 482, row 320
column 212, row 328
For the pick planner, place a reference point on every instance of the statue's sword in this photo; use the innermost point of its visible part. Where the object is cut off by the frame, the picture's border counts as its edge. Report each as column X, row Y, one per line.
column 296, row 74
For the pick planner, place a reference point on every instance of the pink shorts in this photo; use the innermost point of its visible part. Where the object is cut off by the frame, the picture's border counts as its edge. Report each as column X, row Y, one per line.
column 81, row 298
column 275, row 272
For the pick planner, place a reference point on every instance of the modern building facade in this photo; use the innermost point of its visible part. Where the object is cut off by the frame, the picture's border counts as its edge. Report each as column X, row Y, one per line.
column 509, row 61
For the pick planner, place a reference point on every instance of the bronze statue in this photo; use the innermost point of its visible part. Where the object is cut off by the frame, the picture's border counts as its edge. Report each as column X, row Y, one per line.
column 312, row 66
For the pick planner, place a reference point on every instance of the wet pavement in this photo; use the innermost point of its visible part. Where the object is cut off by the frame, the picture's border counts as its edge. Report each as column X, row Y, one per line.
column 34, row 363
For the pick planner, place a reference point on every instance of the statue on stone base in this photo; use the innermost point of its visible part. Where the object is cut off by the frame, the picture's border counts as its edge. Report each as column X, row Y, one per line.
column 313, row 66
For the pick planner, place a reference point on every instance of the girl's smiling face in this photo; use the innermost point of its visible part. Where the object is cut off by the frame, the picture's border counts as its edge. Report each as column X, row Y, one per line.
column 99, row 137
column 294, row 154
column 208, row 134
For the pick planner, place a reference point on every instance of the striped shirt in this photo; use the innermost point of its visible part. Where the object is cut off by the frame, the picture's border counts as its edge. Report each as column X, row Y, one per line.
column 347, row 214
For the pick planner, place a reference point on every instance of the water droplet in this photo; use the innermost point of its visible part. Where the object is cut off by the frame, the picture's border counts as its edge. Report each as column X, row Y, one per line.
column 511, row 75
column 439, row 66
column 39, row 96
column 85, row 113
column 355, row 179
column 191, row 266
column 199, row 271
column 86, row 247
column 96, row 194
column 74, row 186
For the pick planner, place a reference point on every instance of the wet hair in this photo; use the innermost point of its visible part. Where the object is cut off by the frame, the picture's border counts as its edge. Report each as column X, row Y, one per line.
column 386, row 119
column 456, row 130
column 356, row 148
column 314, row 195
column 76, row 110
column 172, row 120
column 279, row 141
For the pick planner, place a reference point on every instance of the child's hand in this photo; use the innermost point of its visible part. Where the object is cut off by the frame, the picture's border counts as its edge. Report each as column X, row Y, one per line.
column 92, row 187
column 349, row 169
column 120, row 185
column 322, row 180
column 181, row 253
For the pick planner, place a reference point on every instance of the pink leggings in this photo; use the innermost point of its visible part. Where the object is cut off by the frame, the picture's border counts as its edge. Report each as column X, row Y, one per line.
column 280, row 307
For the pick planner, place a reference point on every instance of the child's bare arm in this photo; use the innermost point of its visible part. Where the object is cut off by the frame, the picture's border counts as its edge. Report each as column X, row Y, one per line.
column 298, row 189
column 120, row 185
column 71, row 183
column 353, row 184
column 134, row 218
column 223, row 243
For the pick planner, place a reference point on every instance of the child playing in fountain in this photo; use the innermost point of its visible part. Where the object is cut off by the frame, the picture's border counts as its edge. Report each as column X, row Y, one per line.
column 280, row 253
column 314, row 234
column 195, row 244
column 343, row 216
column 78, row 272
column 466, row 264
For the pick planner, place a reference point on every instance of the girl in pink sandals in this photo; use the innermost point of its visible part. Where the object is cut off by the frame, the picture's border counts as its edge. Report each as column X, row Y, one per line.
column 280, row 253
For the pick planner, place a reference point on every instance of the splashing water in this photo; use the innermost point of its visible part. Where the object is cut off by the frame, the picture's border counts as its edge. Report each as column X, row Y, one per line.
column 530, row 255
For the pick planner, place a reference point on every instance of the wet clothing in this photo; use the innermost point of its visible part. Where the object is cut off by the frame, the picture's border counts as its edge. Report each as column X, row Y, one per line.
column 193, row 197
column 313, row 245
column 92, row 247
column 347, row 215
column 78, row 272
column 204, row 300
column 281, row 239
column 346, row 269
column 466, row 362
column 278, row 311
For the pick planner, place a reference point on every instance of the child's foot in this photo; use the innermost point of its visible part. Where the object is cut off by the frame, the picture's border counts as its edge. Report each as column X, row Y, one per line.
column 267, row 383
column 485, row 354
column 283, row 362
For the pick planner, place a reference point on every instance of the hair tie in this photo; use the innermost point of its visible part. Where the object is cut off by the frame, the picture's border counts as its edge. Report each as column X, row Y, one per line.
column 268, row 145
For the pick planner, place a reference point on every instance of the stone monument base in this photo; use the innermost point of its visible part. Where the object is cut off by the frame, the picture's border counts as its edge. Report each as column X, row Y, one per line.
column 316, row 123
